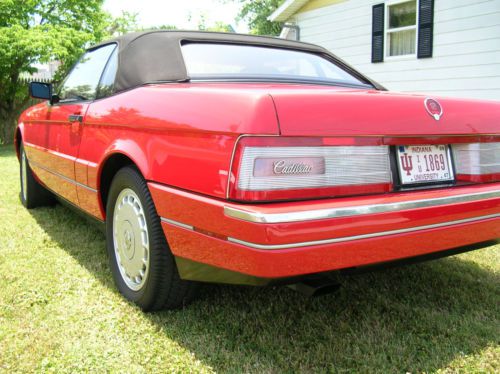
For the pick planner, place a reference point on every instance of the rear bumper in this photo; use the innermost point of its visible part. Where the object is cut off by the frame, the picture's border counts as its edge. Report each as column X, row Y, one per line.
column 285, row 240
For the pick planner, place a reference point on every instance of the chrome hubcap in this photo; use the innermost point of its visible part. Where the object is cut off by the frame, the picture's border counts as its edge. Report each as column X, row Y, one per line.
column 24, row 175
column 130, row 239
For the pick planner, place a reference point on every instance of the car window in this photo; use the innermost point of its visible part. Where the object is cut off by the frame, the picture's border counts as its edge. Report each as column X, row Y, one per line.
column 81, row 83
column 107, row 83
column 230, row 61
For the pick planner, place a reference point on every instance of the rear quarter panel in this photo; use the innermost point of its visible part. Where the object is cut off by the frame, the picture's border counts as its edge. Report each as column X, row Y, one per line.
column 180, row 135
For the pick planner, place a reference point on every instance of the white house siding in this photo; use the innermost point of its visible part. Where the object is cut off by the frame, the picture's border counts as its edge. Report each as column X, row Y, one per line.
column 466, row 56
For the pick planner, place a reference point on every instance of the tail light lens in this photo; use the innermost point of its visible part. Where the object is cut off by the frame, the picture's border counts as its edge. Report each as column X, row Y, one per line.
column 477, row 162
column 288, row 168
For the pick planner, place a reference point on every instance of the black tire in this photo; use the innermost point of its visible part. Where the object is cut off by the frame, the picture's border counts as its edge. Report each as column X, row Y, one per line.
column 32, row 194
column 162, row 287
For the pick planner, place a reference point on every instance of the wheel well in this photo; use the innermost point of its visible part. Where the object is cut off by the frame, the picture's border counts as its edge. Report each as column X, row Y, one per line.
column 109, row 170
column 18, row 140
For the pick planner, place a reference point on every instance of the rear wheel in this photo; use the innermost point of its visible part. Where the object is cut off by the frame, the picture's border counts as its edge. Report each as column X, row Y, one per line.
column 33, row 194
column 143, row 267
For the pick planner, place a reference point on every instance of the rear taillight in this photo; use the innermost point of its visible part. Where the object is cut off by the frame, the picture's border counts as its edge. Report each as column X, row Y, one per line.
column 288, row 168
column 477, row 162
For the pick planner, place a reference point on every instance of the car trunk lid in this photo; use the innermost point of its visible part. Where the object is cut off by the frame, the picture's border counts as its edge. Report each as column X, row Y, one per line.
column 313, row 111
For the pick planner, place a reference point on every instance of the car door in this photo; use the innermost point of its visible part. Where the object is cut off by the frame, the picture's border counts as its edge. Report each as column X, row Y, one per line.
column 62, row 123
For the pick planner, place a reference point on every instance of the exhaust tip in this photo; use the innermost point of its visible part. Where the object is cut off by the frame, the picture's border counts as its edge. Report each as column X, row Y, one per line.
column 315, row 287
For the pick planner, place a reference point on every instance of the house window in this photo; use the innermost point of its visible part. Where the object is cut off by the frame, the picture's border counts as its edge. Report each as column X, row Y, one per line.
column 401, row 31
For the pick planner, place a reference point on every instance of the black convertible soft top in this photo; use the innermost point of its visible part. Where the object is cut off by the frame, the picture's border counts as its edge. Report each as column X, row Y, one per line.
column 155, row 56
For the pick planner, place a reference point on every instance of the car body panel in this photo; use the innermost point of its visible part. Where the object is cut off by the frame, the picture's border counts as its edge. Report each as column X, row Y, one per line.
column 208, row 215
column 322, row 258
column 52, row 143
column 308, row 111
column 170, row 141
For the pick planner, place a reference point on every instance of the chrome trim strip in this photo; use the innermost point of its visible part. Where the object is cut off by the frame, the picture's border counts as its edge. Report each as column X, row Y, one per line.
column 309, row 215
column 63, row 177
column 178, row 224
column 359, row 237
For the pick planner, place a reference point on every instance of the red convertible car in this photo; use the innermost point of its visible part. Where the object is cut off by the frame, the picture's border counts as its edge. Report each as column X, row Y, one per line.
column 253, row 160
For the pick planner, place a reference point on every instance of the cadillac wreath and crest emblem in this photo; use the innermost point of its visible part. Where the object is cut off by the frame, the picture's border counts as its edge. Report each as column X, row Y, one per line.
column 433, row 108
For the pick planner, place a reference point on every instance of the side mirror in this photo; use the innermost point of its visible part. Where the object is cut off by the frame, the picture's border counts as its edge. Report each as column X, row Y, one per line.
column 39, row 90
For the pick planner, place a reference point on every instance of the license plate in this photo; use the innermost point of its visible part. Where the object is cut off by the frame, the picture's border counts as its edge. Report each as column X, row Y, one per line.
column 424, row 164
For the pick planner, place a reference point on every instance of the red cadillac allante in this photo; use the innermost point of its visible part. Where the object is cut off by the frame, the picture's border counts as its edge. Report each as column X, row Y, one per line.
column 252, row 160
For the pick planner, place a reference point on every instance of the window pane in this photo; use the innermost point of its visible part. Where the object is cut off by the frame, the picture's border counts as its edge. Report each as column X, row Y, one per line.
column 402, row 43
column 230, row 61
column 108, row 77
column 403, row 14
column 81, row 83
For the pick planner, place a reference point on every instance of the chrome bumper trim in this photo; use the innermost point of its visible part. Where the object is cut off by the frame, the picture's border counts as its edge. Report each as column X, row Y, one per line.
column 176, row 223
column 342, row 239
column 359, row 237
column 309, row 215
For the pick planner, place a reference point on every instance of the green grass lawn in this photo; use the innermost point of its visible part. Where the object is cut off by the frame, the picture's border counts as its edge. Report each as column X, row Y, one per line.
column 60, row 312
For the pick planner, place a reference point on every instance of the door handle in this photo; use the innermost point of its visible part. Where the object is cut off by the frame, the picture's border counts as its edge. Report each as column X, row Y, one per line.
column 75, row 118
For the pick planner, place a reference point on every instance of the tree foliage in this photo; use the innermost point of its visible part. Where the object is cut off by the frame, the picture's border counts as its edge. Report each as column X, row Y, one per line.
column 124, row 23
column 39, row 31
column 160, row 27
column 218, row 26
column 255, row 13
column 128, row 22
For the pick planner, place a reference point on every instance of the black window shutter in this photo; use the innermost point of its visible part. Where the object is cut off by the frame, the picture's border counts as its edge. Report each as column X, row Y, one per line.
column 425, row 28
column 378, row 33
